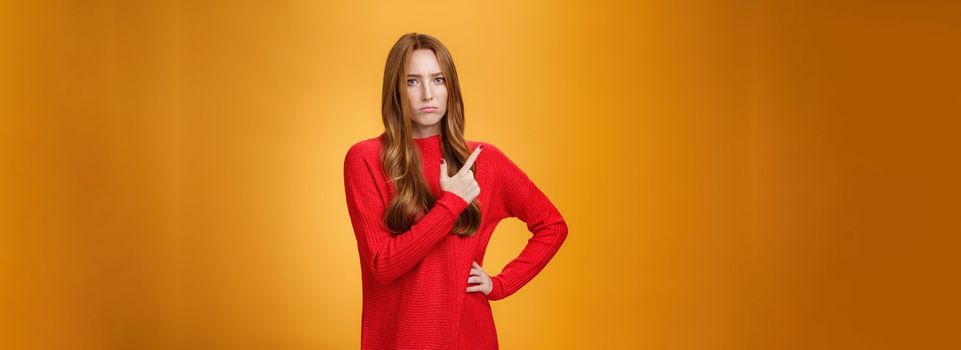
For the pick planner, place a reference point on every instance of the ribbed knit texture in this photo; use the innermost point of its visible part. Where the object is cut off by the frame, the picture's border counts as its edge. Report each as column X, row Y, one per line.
column 414, row 284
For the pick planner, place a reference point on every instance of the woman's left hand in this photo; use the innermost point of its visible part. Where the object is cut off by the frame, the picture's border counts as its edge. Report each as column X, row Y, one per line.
column 477, row 275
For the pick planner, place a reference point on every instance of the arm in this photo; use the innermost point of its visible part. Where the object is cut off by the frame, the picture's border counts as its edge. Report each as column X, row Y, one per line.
column 386, row 257
column 523, row 200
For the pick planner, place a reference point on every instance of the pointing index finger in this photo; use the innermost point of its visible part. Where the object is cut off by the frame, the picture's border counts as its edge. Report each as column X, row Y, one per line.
column 470, row 160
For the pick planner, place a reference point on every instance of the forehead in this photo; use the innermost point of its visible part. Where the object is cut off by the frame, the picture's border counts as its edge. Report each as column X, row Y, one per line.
column 422, row 61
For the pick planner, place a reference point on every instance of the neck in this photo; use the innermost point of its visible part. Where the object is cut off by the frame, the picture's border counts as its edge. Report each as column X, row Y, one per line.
column 419, row 133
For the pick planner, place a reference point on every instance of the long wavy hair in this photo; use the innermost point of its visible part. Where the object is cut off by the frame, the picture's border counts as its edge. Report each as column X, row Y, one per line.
column 400, row 155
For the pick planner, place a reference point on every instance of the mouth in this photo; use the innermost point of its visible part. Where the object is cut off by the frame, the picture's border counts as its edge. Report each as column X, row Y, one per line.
column 428, row 109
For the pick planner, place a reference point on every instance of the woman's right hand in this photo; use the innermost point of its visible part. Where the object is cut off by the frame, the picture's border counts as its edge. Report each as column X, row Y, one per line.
column 462, row 183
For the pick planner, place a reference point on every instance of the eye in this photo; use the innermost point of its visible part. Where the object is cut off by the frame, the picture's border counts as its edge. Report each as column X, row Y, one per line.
column 410, row 80
column 440, row 78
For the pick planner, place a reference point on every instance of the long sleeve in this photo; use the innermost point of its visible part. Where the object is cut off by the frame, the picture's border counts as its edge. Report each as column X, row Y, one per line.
column 522, row 199
column 386, row 257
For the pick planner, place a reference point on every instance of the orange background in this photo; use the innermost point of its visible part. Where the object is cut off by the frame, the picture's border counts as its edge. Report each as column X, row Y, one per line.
column 735, row 175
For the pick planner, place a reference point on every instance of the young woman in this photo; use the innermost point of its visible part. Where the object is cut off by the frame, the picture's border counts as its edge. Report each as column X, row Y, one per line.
column 423, row 202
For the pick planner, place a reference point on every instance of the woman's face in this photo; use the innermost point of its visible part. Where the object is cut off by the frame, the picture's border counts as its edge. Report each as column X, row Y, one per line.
column 426, row 92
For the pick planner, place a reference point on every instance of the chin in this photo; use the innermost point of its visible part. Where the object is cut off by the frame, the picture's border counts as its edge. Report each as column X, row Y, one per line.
column 429, row 119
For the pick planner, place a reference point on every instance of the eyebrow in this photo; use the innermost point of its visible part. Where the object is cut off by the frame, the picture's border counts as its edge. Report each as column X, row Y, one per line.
column 435, row 74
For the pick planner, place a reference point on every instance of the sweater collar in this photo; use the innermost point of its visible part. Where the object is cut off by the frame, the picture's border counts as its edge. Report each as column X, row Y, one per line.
column 429, row 142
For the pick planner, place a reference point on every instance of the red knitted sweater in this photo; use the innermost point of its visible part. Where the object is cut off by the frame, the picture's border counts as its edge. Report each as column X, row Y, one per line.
column 414, row 284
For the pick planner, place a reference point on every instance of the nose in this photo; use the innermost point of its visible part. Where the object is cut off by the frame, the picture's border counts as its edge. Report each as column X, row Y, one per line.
column 428, row 95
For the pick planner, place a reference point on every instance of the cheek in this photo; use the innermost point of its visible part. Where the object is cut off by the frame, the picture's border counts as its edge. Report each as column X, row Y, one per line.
column 442, row 95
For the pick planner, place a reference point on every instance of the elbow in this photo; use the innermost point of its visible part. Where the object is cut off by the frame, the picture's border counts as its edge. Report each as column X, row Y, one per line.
column 380, row 274
column 552, row 232
column 561, row 232
column 382, row 278
column 560, row 226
